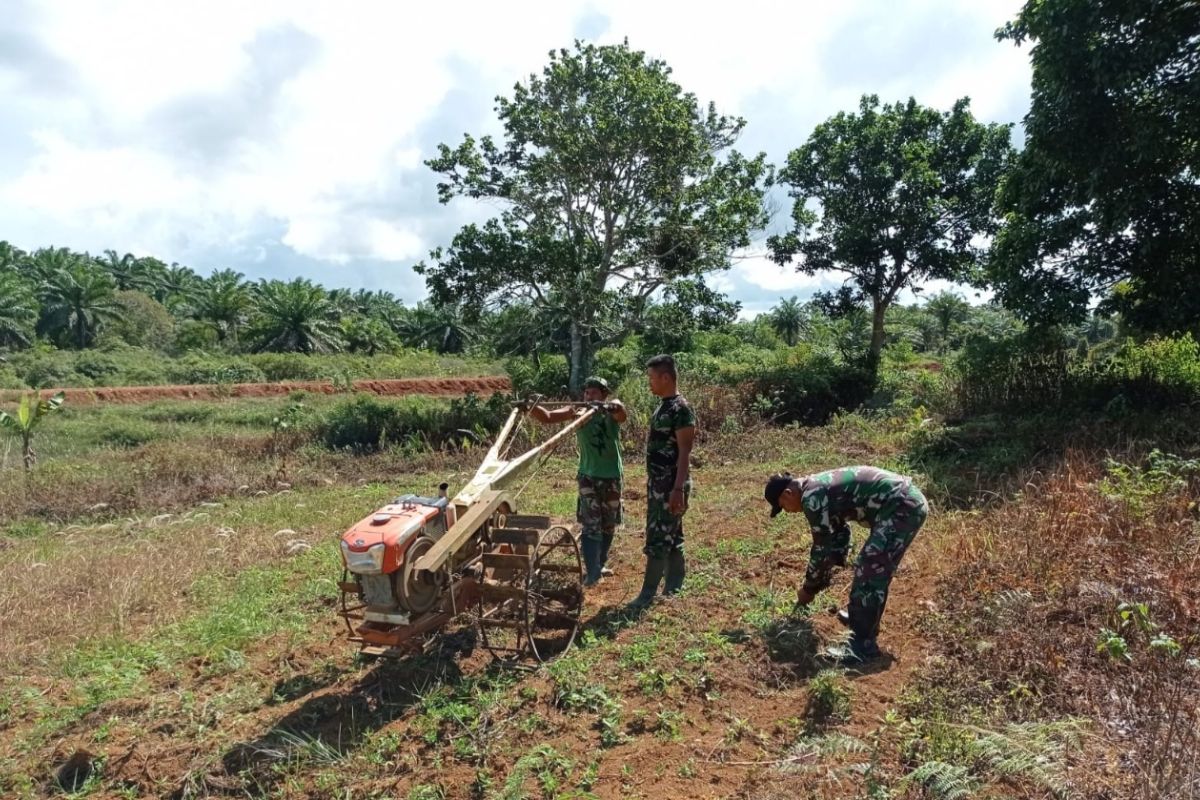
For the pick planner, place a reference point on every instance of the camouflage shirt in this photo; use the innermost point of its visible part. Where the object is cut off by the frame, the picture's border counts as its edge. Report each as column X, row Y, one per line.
column 849, row 494
column 662, row 444
column 833, row 498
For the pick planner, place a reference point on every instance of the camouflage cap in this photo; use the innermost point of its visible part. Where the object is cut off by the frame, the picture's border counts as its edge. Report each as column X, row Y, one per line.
column 776, row 485
column 596, row 382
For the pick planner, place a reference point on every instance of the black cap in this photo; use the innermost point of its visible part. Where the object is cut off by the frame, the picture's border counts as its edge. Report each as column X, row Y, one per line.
column 775, row 487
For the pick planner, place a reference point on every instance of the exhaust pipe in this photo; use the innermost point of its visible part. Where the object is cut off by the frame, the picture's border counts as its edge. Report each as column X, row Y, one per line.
column 442, row 490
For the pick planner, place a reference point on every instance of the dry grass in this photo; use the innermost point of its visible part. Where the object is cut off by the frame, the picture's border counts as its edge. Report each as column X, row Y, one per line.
column 1032, row 585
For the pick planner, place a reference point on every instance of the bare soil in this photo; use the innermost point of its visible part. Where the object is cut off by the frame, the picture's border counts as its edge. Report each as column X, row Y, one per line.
column 440, row 387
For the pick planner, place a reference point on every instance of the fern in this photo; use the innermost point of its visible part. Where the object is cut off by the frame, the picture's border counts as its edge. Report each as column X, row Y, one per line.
column 807, row 754
column 1034, row 752
column 945, row 781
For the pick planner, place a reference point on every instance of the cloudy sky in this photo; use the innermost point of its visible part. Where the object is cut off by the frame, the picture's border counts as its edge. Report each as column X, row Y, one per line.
column 287, row 138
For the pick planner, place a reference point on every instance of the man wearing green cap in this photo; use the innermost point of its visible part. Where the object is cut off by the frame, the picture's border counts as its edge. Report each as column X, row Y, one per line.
column 600, row 471
column 889, row 504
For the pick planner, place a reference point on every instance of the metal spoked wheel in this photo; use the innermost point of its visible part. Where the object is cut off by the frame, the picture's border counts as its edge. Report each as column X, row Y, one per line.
column 554, row 594
column 531, row 590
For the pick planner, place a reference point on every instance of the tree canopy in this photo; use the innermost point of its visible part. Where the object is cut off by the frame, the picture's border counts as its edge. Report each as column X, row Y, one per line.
column 611, row 178
column 1106, row 194
column 891, row 196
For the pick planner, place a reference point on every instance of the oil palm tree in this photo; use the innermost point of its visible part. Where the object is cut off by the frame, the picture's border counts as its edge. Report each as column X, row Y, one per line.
column 77, row 299
column 224, row 300
column 126, row 270
column 296, row 316
column 787, row 320
column 18, row 311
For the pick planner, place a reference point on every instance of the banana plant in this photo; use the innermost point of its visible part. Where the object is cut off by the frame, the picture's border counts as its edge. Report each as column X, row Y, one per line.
column 31, row 411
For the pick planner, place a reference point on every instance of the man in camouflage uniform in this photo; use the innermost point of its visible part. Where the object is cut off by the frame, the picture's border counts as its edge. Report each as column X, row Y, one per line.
column 668, row 482
column 600, row 471
column 889, row 504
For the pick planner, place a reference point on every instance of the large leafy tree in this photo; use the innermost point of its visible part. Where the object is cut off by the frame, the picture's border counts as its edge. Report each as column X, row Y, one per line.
column 1106, row 192
column 609, row 176
column 296, row 316
column 76, row 299
column 892, row 196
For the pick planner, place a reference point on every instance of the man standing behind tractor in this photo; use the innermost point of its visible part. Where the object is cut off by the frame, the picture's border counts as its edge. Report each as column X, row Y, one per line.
column 600, row 473
column 889, row 504
column 668, row 482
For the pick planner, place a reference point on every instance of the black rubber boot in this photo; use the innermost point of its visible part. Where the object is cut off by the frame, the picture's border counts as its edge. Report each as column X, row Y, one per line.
column 855, row 651
column 605, row 545
column 591, row 560
column 655, row 568
column 676, row 571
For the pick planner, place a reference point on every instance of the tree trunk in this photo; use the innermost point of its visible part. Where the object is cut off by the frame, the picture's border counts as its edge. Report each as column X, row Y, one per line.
column 82, row 331
column 879, row 308
column 581, row 357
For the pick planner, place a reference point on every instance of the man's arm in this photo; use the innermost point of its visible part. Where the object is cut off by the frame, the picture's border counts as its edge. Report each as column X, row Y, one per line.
column 684, row 437
column 545, row 415
column 831, row 541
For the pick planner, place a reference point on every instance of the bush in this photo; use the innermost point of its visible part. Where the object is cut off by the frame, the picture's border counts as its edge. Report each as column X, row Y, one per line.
column 128, row 433
column 192, row 334
column 809, row 387
column 143, row 321
column 47, row 373
column 10, row 380
column 1034, row 371
column 367, row 423
column 96, row 366
column 196, row 369
column 550, row 378
column 287, row 367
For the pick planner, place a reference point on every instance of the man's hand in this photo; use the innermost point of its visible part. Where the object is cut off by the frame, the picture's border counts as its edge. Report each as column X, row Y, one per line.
column 804, row 596
column 677, row 502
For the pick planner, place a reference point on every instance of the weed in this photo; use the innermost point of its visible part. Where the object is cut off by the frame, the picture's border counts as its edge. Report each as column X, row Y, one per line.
column 828, row 697
column 427, row 791
column 667, row 725
column 655, row 682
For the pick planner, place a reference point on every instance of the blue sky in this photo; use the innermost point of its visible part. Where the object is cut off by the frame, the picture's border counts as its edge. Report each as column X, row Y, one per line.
column 287, row 138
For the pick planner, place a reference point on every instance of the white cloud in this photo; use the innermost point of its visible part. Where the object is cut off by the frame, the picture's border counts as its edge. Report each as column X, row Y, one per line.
column 220, row 130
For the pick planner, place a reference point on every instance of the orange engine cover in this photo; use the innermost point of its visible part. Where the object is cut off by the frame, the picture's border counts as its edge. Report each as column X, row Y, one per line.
column 377, row 543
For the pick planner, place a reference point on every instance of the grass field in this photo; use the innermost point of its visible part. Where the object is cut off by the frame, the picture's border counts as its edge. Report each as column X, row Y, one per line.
column 167, row 586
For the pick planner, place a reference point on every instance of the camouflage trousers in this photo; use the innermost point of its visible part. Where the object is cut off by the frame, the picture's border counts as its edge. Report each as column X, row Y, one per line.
column 599, row 506
column 664, row 530
column 896, row 523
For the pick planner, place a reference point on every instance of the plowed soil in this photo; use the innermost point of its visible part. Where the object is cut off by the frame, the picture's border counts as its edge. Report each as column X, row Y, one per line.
column 441, row 387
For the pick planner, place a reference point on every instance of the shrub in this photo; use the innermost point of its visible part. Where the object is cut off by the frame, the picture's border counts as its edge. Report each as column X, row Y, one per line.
column 195, row 369
column 287, row 367
column 1037, row 370
column 96, row 366
column 128, row 433
column 807, row 386
column 367, row 423
column 549, row 378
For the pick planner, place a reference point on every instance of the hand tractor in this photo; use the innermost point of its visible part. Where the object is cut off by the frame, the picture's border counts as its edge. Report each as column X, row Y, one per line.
column 418, row 562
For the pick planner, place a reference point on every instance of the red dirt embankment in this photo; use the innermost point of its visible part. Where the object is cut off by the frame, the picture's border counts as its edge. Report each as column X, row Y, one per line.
column 444, row 387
